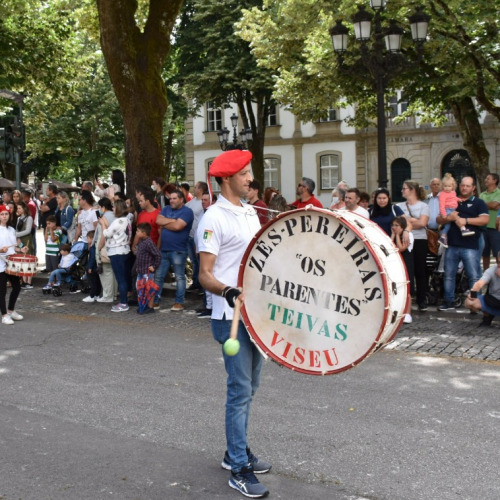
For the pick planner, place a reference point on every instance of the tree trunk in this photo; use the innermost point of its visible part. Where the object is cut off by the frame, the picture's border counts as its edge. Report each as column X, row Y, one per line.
column 258, row 123
column 472, row 135
column 135, row 60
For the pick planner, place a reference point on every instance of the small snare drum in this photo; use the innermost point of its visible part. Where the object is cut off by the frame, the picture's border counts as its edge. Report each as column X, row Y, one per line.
column 21, row 265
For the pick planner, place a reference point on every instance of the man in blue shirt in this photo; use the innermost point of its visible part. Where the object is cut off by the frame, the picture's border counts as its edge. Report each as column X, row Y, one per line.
column 471, row 212
column 175, row 222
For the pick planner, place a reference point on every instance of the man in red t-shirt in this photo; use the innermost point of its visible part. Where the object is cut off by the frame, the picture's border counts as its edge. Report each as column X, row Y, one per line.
column 254, row 199
column 185, row 187
column 29, row 201
column 147, row 214
column 305, row 192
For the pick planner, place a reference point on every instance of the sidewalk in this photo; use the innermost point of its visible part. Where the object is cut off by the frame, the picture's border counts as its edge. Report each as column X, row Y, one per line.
column 455, row 333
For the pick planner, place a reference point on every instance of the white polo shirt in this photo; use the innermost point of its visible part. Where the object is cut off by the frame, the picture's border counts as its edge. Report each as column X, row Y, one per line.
column 225, row 230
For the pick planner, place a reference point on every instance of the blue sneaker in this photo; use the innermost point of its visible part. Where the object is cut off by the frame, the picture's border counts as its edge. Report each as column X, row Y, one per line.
column 259, row 466
column 247, row 484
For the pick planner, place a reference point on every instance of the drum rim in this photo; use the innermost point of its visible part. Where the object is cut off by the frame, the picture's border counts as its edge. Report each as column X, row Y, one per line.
column 256, row 338
column 29, row 258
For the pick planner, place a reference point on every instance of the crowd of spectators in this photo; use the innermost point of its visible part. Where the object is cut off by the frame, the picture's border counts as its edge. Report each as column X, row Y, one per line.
column 168, row 214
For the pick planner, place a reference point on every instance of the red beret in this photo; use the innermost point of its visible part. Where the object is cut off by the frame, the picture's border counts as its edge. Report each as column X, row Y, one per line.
column 4, row 208
column 229, row 163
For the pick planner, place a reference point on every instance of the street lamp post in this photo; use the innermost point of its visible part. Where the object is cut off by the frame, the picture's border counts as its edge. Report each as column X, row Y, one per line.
column 17, row 128
column 383, row 58
column 245, row 136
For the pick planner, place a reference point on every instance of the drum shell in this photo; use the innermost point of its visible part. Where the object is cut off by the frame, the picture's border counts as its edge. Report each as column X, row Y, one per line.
column 353, row 286
column 21, row 265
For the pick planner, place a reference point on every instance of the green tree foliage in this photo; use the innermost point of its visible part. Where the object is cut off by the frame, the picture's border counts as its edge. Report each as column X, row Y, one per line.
column 218, row 66
column 51, row 54
column 461, row 60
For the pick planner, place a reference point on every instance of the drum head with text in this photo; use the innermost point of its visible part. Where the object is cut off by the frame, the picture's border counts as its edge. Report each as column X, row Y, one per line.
column 317, row 294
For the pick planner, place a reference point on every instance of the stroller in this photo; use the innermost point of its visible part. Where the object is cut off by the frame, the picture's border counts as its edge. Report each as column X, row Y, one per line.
column 435, row 273
column 76, row 272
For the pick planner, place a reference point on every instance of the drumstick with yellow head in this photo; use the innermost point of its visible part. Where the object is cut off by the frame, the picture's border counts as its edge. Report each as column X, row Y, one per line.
column 232, row 344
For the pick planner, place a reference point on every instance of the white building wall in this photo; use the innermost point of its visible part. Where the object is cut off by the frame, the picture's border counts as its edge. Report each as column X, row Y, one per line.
column 347, row 150
column 200, row 161
column 287, row 173
column 199, row 128
column 287, row 122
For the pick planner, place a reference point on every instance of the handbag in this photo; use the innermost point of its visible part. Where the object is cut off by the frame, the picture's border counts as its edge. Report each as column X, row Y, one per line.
column 432, row 240
column 103, row 254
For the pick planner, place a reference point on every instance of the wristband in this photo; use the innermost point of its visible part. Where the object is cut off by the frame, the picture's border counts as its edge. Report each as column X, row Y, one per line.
column 230, row 294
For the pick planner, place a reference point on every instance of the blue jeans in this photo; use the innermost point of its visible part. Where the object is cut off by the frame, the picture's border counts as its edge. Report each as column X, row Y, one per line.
column 59, row 275
column 121, row 265
column 446, row 227
column 243, row 377
column 178, row 261
column 194, row 261
column 452, row 258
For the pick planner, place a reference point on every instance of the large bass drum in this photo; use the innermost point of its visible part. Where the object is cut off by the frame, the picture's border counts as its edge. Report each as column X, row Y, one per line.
column 323, row 290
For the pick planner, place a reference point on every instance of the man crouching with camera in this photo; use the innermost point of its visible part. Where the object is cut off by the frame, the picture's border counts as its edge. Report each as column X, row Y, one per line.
column 489, row 303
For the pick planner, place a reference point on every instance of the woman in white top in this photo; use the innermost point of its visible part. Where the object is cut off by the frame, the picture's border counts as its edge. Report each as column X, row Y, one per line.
column 417, row 214
column 108, row 280
column 118, row 235
column 8, row 246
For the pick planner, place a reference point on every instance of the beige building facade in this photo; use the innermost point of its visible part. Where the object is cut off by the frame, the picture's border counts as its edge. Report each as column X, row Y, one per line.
column 329, row 151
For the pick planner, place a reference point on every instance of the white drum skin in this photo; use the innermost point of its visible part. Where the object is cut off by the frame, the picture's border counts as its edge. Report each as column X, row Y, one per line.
column 323, row 290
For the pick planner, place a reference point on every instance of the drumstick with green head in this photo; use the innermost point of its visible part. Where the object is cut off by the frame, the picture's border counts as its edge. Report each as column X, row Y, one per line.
column 232, row 344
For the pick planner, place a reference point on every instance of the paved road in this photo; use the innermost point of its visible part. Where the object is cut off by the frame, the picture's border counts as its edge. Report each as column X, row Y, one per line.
column 97, row 405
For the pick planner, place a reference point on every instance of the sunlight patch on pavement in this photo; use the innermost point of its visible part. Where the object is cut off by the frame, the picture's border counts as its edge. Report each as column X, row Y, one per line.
column 430, row 361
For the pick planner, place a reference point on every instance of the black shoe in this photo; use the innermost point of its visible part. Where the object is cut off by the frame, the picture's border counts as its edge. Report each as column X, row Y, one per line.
column 445, row 307
column 422, row 307
column 193, row 288
column 258, row 466
column 205, row 314
column 486, row 321
column 247, row 484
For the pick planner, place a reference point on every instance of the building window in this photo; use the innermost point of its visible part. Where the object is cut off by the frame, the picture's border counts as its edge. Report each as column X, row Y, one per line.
column 214, row 117
column 398, row 104
column 272, row 166
column 332, row 115
column 272, row 117
column 329, row 170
